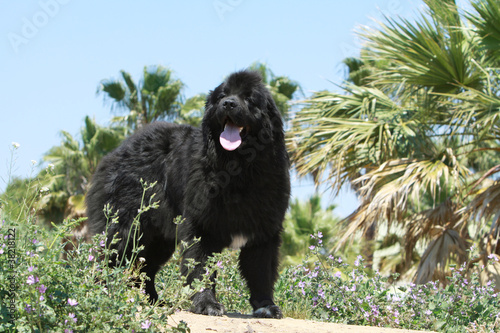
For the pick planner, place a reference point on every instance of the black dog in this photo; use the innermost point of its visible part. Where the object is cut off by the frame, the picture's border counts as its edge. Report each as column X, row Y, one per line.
column 229, row 180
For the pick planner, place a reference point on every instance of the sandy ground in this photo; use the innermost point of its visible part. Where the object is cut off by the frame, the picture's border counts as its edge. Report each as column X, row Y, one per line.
column 238, row 323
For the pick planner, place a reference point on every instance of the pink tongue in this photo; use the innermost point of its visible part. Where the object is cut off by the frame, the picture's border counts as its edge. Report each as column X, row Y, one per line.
column 230, row 138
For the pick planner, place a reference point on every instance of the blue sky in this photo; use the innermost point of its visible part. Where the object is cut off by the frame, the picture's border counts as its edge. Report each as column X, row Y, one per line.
column 54, row 53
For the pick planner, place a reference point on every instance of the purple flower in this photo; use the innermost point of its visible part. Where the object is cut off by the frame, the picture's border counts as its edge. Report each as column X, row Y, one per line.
column 30, row 280
column 492, row 256
column 30, row 269
column 338, row 274
column 358, row 259
column 219, row 264
column 1, row 250
column 72, row 302
column 72, row 316
column 302, row 284
column 145, row 325
column 312, row 247
column 91, row 257
column 42, row 289
column 320, row 234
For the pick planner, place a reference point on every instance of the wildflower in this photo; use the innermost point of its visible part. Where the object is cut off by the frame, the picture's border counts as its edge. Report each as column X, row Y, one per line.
column 312, row 247
column 302, row 284
column 33, row 162
column 339, row 260
column 15, row 145
column 428, row 312
column 31, row 268
column 338, row 274
column 31, row 280
column 42, row 289
column 91, row 257
column 358, row 259
column 145, row 325
column 72, row 302
column 72, row 316
column 68, row 331
column 219, row 264
column 492, row 256
column 320, row 234
column 42, row 298
column 28, row 308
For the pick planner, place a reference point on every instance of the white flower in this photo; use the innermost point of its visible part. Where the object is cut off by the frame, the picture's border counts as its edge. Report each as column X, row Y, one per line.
column 33, row 162
column 15, row 145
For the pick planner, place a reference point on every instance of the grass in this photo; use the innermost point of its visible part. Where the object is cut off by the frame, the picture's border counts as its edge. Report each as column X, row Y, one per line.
column 44, row 293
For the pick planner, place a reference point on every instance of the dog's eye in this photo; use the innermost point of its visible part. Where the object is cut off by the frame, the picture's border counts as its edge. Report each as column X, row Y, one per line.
column 221, row 96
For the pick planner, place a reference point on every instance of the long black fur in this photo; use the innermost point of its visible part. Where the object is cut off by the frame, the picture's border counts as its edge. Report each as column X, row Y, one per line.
column 222, row 194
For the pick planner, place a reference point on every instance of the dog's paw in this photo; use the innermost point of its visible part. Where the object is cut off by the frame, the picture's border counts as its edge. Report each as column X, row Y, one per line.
column 268, row 311
column 205, row 303
column 208, row 309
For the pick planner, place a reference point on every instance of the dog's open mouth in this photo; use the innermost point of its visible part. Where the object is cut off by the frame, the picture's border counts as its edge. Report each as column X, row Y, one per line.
column 232, row 135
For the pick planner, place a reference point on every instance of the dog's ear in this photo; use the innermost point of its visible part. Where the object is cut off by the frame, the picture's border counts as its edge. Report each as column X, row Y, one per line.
column 275, row 119
column 271, row 106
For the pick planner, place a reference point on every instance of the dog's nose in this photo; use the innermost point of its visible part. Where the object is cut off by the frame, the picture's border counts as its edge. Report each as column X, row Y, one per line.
column 229, row 104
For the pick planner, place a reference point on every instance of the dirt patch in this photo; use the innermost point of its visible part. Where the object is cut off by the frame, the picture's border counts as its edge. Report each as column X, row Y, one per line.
column 238, row 323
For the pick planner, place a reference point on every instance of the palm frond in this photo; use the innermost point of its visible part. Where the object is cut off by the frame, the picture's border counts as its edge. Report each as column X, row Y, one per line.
column 342, row 133
column 432, row 266
column 432, row 52
column 487, row 23
column 485, row 205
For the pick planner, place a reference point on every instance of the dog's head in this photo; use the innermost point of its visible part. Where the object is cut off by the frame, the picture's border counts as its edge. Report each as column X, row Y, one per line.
column 241, row 113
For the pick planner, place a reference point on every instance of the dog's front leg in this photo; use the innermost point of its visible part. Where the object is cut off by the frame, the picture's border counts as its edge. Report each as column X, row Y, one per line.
column 204, row 301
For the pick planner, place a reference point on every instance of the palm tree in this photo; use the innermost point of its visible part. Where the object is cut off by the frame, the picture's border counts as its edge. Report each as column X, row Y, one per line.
column 416, row 134
column 156, row 96
column 191, row 111
column 306, row 218
column 71, row 166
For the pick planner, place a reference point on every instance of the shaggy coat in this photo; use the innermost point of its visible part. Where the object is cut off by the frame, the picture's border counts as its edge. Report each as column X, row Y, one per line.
column 229, row 180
